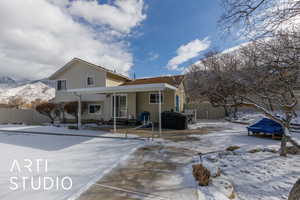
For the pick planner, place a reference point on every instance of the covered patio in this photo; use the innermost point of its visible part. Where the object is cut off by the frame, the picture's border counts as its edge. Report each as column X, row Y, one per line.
column 117, row 92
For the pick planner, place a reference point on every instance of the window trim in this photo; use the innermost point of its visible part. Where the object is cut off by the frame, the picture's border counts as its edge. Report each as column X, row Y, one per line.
column 95, row 104
column 156, row 93
column 87, row 81
column 57, row 85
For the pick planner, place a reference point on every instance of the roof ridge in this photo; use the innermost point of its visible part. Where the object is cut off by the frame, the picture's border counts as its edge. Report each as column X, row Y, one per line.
column 158, row 77
column 104, row 68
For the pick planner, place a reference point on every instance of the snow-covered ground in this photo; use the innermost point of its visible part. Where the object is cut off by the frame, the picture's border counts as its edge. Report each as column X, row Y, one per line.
column 259, row 176
column 254, row 176
column 84, row 160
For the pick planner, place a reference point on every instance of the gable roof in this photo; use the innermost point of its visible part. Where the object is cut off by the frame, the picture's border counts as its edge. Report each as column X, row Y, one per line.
column 69, row 64
column 171, row 80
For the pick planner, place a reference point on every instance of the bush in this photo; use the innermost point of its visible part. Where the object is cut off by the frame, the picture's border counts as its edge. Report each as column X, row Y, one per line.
column 292, row 150
column 255, row 150
column 73, row 127
column 201, row 174
column 232, row 148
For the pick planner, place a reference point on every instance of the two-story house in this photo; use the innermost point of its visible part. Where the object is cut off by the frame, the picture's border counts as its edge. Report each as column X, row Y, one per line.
column 100, row 88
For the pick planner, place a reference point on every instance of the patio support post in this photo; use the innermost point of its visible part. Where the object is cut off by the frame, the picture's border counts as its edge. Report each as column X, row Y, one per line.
column 114, row 104
column 159, row 112
column 79, row 112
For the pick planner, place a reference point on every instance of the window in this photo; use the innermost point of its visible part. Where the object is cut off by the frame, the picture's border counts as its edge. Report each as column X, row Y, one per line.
column 154, row 98
column 90, row 81
column 61, row 85
column 94, row 108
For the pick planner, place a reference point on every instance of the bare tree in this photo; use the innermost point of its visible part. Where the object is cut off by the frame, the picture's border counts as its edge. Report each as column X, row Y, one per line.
column 47, row 109
column 212, row 79
column 259, row 17
column 261, row 76
column 72, row 109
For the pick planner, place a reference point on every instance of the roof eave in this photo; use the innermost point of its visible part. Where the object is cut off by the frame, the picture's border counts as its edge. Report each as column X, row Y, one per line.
column 123, row 89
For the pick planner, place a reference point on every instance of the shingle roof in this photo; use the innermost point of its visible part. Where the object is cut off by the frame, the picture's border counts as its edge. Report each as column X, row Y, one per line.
column 172, row 80
column 66, row 66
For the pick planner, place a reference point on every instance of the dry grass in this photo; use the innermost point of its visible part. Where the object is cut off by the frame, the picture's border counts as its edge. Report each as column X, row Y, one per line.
column 232, row 148
column 201, row 174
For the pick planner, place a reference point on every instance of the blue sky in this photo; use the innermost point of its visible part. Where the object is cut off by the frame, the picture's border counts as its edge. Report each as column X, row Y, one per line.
column 148, row 37
column 170, row 24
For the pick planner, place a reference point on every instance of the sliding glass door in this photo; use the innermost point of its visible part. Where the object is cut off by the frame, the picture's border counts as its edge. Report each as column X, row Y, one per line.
column 121, row 106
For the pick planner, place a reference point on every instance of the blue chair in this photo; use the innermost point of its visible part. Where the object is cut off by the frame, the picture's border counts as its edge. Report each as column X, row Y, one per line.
column 144, row 116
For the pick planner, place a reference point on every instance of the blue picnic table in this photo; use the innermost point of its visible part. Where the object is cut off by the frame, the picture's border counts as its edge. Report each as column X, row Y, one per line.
column 266, row 126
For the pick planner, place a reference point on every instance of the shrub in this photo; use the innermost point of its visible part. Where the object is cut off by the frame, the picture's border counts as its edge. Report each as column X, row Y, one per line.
column 232, row 148
column 201, row 174
column 73, row 127
column 293, row 150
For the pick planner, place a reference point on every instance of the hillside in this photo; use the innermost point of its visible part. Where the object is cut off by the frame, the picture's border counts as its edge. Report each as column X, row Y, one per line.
column 28, row 92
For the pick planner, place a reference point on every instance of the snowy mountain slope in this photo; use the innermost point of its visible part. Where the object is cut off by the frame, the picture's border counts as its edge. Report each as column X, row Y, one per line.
column 28, row 92
column 7, row 80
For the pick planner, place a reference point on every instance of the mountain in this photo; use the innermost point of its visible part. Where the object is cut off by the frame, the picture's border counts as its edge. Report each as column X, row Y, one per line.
column 27, row 92
column 7, row 80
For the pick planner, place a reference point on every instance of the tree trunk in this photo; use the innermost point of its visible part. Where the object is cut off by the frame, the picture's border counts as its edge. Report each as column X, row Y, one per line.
column 226, row 111
column 235, row 112
column 295, row 192
column 283, row 151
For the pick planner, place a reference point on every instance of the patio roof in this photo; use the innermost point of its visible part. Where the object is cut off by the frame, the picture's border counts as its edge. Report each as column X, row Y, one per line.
column 123, row 89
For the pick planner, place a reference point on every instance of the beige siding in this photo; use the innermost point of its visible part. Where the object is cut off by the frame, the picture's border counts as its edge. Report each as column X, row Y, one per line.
column 76, row 77
column 131, row 103
column 113, row 80
column 181, row 93
column 143, row 103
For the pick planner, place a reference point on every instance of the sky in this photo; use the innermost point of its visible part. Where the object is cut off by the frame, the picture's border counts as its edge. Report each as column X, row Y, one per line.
column 142, row 37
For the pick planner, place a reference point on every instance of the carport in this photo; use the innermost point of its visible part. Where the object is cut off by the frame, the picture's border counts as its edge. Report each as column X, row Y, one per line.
column 157, row 87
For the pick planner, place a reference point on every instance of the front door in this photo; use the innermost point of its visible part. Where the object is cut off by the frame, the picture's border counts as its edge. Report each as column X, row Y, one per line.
column 121, row 106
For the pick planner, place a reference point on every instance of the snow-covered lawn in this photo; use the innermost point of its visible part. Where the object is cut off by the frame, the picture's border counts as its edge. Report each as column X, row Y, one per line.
column 83, row 159
column 254, row 176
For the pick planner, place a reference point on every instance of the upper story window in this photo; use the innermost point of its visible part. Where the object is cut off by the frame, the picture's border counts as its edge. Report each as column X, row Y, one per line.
column 90, row 81
column 61, row 85
column 154, row 98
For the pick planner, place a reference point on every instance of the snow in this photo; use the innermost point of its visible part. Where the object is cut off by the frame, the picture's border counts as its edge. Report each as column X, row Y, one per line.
column 85, row 160
column 28, row 92
column 260, row 176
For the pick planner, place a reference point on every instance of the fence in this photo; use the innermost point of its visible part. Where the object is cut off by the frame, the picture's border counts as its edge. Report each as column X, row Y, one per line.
column 206, row 111
column 10, row 115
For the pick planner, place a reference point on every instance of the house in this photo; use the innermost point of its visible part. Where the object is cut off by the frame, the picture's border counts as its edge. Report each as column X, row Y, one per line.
column 98, row 88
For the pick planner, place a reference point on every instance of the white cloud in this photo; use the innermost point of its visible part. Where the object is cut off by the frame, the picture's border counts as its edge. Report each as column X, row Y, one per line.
column 38, row 37
column 122, row 15
column 153, row 56
column 187, row 52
